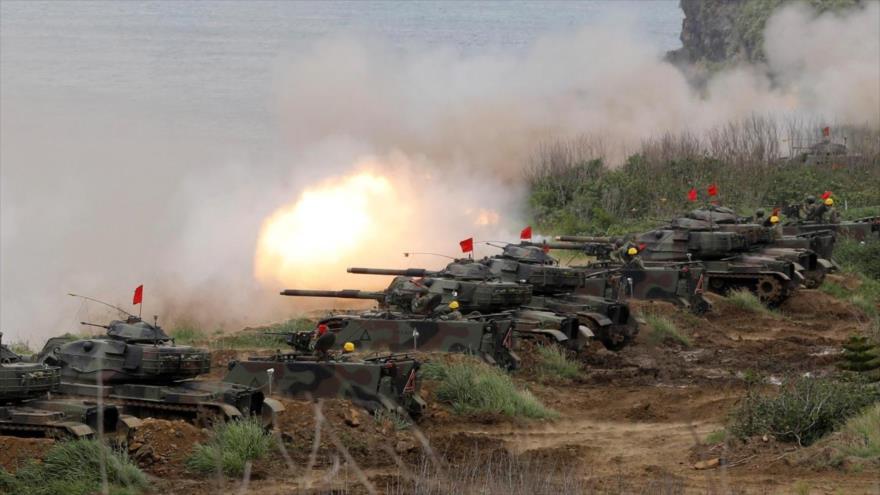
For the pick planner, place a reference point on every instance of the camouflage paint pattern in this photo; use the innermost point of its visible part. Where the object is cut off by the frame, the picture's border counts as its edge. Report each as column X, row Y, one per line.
column 492, row 340
column 138, row 368
column 390, row 383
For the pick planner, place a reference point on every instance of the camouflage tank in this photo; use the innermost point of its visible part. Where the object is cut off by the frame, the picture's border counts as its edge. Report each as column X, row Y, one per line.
column 766, row 240
column 391, row 331
column 799, row 222
column 137, row 367
column 462, row 280
column 382, row 383
column 27, row 410
column 731, row 258
column 678, row 283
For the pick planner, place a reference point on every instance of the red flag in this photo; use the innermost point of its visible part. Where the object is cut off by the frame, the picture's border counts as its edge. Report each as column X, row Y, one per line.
column 545, row 248
column 467, row 245
column 826, row 194
column 713, row 190
column 138, row 295
column 692, row 195
column 526, row 233
column 826, row 131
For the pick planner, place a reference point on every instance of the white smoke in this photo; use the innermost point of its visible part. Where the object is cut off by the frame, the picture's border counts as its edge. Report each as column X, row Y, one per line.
column 97, row 202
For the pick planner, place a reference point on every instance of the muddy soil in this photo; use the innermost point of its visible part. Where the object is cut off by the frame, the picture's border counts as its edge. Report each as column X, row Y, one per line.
column 635, row 422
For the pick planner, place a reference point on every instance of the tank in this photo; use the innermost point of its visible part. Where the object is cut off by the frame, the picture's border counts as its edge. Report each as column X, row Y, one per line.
column 468, row 282
column 734, row 254
column 26, row 408
column 678, row 283
column 383, row 383
column 137, row 367
column 387, row 331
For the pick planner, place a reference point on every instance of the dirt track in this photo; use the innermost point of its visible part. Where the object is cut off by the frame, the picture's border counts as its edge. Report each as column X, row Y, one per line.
column 634, row 423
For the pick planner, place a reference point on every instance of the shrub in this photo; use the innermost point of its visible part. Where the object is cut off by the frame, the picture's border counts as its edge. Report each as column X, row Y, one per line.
column 74, row 468
column 803, row 411
column 554, row 362
column 187, row 333
column 473, row 387
column 232, row 446
column 745, row 299
column 664, row 330
column 862, row 258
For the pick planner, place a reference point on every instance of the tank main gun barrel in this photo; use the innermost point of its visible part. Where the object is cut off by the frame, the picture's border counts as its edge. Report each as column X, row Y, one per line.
column 582, row 238
column 572, row 246
column 340, row 294
column 106, row 327
column 408, row 272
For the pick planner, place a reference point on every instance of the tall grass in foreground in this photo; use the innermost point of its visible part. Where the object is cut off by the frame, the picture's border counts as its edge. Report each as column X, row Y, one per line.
column 74, row 468
column 473, row 387
column 521, row 475
column 233, row 445
column 664, row 330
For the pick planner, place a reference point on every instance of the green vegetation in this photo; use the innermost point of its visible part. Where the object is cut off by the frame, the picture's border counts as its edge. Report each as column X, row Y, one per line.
column 745, row 299
column 860, row 436
column 803, row 411
column 190, row 333
column 861, row 356
column 554, row 362
column 664, row 330
column 717, row 436
column 395, row 419
column 574, row 189
column 74, row 468
column 231, row 447
column 20, row 348
column 473, row 387
column 860, row 258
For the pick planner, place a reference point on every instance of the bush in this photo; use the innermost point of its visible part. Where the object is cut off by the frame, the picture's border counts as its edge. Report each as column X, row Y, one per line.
column 232, row 446
column 74, row 468
column 862, row 258
column 664, row 330
column 553, row 362
column 803, row 411
column 745, row 299
column 473, row 387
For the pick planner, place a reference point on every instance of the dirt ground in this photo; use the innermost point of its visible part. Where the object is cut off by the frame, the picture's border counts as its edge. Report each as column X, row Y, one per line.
column 635, row 422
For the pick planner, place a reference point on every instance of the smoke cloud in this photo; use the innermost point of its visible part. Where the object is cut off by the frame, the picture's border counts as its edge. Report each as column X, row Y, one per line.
column 96, row 202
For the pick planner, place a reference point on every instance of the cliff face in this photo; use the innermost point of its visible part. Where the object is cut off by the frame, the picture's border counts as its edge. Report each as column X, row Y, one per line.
column 716, row 33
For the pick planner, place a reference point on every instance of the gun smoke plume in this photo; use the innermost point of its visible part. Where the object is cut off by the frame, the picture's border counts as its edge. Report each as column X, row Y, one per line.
column 411, row 150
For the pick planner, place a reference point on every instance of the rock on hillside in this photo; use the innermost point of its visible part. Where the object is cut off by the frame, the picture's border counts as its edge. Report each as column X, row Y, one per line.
column 717, row 33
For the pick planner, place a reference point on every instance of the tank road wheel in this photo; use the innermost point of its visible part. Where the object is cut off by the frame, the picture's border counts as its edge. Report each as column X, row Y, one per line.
column 814, row 278
column 769, row 290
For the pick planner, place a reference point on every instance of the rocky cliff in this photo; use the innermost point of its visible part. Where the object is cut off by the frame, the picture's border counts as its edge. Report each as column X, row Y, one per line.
column 717, row 33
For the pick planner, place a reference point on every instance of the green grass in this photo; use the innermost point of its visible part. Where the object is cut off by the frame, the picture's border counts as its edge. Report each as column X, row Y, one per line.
column 746, row 300
column 860, row 436
column 395, row 419
column 717, row 436
column 473, row 387
column 190, row 333
column 803, row 411
column 554, row 362
column 74, row 468
column 664, row 330
column 230, row 448
column 860, row 258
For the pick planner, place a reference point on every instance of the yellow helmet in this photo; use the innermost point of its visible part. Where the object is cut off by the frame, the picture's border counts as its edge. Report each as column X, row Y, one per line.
column 774, row 219
column 348, row 347
column 453, row 305
column 632, row 251
column 829, row 202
